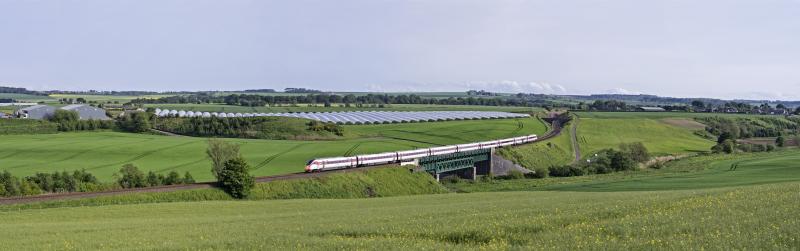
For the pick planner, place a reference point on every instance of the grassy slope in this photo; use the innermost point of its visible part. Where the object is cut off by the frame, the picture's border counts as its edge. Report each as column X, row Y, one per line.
column 660, row 138
column 761, row 217
column 102, row 153
column 555, row 152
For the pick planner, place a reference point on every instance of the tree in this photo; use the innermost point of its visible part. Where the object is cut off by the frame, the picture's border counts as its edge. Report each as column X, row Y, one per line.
column 135, row 122
column 636, row 151
column 131, row 177
column 724, row 136
column 188, row 179
column 172, row 178
column 727, row 146
column 698, row 104
column 220, row 152
column 780, row 141
column 235, row 178
column 153, row 179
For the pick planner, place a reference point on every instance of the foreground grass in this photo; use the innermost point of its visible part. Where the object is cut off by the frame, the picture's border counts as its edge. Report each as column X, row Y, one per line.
column 103, row 153
column 755, row 217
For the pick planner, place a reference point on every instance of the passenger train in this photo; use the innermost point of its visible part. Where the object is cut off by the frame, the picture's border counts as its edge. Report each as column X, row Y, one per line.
column 334, row 163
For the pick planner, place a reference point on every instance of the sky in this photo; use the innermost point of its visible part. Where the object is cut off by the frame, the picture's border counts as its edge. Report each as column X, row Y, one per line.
column 685, row 48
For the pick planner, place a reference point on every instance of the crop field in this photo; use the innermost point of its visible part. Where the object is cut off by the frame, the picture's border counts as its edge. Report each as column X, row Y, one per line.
column 103, row 153
column 24, row 97
column 336, row 108
column 760, row 217
column 659, row 137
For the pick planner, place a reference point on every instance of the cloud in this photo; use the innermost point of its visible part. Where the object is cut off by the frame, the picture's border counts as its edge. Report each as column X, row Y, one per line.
column 508, row 86
column 622, row 91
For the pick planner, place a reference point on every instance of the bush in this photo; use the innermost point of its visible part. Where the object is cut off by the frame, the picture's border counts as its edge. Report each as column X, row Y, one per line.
column 538, row 173
column 131, row 177
column 513, row 175
column 636, row 151
column 235, row 178
column 134, row 122
column 780, row 141
column 188, row 179
column 566, row 171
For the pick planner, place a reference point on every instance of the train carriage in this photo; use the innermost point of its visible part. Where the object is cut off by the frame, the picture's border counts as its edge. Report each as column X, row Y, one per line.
column 392, row 157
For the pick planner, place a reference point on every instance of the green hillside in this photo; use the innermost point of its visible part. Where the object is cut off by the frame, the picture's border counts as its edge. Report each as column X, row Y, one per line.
column 660, row 138
column 103, row 153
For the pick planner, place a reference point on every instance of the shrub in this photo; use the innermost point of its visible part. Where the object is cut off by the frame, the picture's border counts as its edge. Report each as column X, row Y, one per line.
column 636, row 151
column 235, row 178
column 780, row 141
column 538, row 173
column 131, row 177
column 565, row 171
column 187, row 178
column 172, row 178
column 770, row 148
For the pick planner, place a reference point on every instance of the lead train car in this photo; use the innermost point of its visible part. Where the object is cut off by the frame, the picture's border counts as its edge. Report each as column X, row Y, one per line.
column 334, row 163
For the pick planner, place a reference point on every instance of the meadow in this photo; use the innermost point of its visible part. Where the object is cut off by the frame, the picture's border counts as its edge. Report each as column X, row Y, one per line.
column 663, row 115
column 103, row 153
column 659, row 137
column 760, row 217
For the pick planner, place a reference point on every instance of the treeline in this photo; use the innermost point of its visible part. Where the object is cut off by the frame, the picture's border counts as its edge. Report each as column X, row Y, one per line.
column 350, row 99
column 57, row 182
column 250, row 127
column 6, row 89
column 129, row 176
column 67, row 121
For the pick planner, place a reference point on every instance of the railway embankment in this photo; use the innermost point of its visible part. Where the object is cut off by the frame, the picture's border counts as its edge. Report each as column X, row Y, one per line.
column 366, row 183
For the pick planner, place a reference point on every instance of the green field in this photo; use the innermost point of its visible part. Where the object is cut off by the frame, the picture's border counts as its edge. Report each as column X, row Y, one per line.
column 760, row 217
column 336, row 108
column 103, row 153
column 660, row 138
column 25, row 97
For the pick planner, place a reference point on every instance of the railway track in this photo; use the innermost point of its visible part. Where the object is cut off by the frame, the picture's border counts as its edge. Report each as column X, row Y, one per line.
column 556, row 130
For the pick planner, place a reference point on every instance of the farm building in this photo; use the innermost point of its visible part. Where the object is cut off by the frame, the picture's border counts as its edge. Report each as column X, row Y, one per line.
column 87, row 112
column 651, row 109
column 35, row 112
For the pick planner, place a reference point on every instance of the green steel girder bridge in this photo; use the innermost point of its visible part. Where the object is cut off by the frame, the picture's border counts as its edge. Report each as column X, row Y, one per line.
column 465, row 164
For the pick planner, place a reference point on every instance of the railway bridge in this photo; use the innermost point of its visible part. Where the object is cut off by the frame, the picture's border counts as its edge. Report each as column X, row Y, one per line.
column 466, row 165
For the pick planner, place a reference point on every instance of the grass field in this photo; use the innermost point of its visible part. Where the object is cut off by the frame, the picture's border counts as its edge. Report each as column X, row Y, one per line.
column 760, row 217
column 660, row 138
column 103, row 153
column 336, row 108
column 25, row 97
